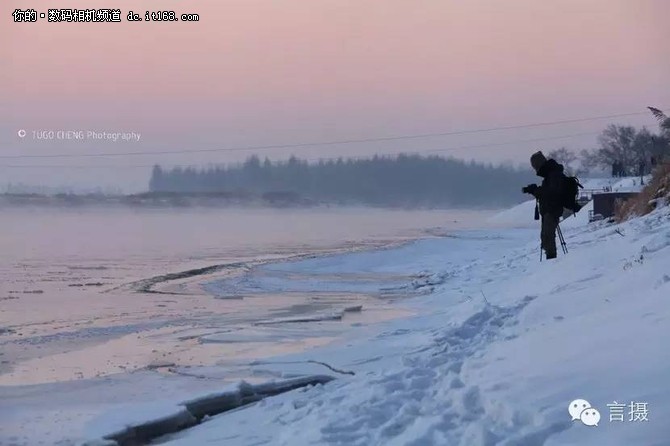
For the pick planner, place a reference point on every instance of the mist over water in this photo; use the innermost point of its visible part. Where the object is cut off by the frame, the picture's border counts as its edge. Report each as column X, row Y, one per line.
column 122, row 234
column 71, row 279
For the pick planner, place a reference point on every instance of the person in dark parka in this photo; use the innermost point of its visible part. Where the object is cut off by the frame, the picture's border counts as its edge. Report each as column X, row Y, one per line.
column 548, row 195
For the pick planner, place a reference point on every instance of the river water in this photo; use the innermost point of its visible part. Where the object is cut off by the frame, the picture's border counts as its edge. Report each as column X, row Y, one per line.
column 70, row 307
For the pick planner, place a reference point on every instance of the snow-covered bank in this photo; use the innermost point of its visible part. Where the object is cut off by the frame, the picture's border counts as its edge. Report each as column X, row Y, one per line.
column 496, row 353
column 491, row 351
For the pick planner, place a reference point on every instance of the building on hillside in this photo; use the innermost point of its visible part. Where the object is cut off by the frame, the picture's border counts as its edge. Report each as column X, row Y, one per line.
column 605, row 204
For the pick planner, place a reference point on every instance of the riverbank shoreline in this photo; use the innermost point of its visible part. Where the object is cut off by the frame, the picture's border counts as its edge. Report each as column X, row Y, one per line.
column 106, row 320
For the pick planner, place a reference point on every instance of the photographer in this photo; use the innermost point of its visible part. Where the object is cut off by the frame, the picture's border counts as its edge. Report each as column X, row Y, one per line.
column 548, row 195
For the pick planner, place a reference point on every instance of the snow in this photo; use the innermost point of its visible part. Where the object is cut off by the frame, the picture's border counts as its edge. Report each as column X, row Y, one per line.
column 519, row 216
column 580, row 219
column 617, row 184
column 630, row 184
column 141, row 422
column 494, row 354
column 522, row 216
column 64, row 412
column 492, row 346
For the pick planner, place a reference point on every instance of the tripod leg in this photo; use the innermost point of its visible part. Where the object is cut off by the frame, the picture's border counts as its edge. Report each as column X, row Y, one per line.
column 564, row 245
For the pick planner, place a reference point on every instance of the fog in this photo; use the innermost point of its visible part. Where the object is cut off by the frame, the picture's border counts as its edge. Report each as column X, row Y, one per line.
column 158, row 238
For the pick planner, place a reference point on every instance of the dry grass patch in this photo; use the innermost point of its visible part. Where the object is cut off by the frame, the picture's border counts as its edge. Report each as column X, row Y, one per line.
column 656, row 193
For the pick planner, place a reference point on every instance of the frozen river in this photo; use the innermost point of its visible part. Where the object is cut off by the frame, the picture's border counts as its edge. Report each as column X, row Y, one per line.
column 101, row 308
column 89, row 293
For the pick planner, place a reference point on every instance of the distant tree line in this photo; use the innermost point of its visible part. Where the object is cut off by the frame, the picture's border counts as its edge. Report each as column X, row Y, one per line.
column 413, row 180
column 404, row 180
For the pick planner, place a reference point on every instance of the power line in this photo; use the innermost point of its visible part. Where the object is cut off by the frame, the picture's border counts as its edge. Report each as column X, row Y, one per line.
column 324, row 143
column 416, row 152
column 549, row 138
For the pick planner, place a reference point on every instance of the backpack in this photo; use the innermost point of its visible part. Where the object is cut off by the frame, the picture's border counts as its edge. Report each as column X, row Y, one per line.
column 569, row 190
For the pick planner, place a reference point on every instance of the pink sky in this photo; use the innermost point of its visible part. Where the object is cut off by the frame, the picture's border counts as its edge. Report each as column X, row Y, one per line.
column 255, row 72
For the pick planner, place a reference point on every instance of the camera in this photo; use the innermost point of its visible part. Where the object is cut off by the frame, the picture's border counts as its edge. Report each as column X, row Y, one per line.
column 529, row 189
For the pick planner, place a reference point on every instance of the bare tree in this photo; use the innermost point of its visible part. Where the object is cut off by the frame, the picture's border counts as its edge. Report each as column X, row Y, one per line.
column 624, row 145
column 616, row 144
column 663, row 120
column 661, row 143
column 588, row 160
